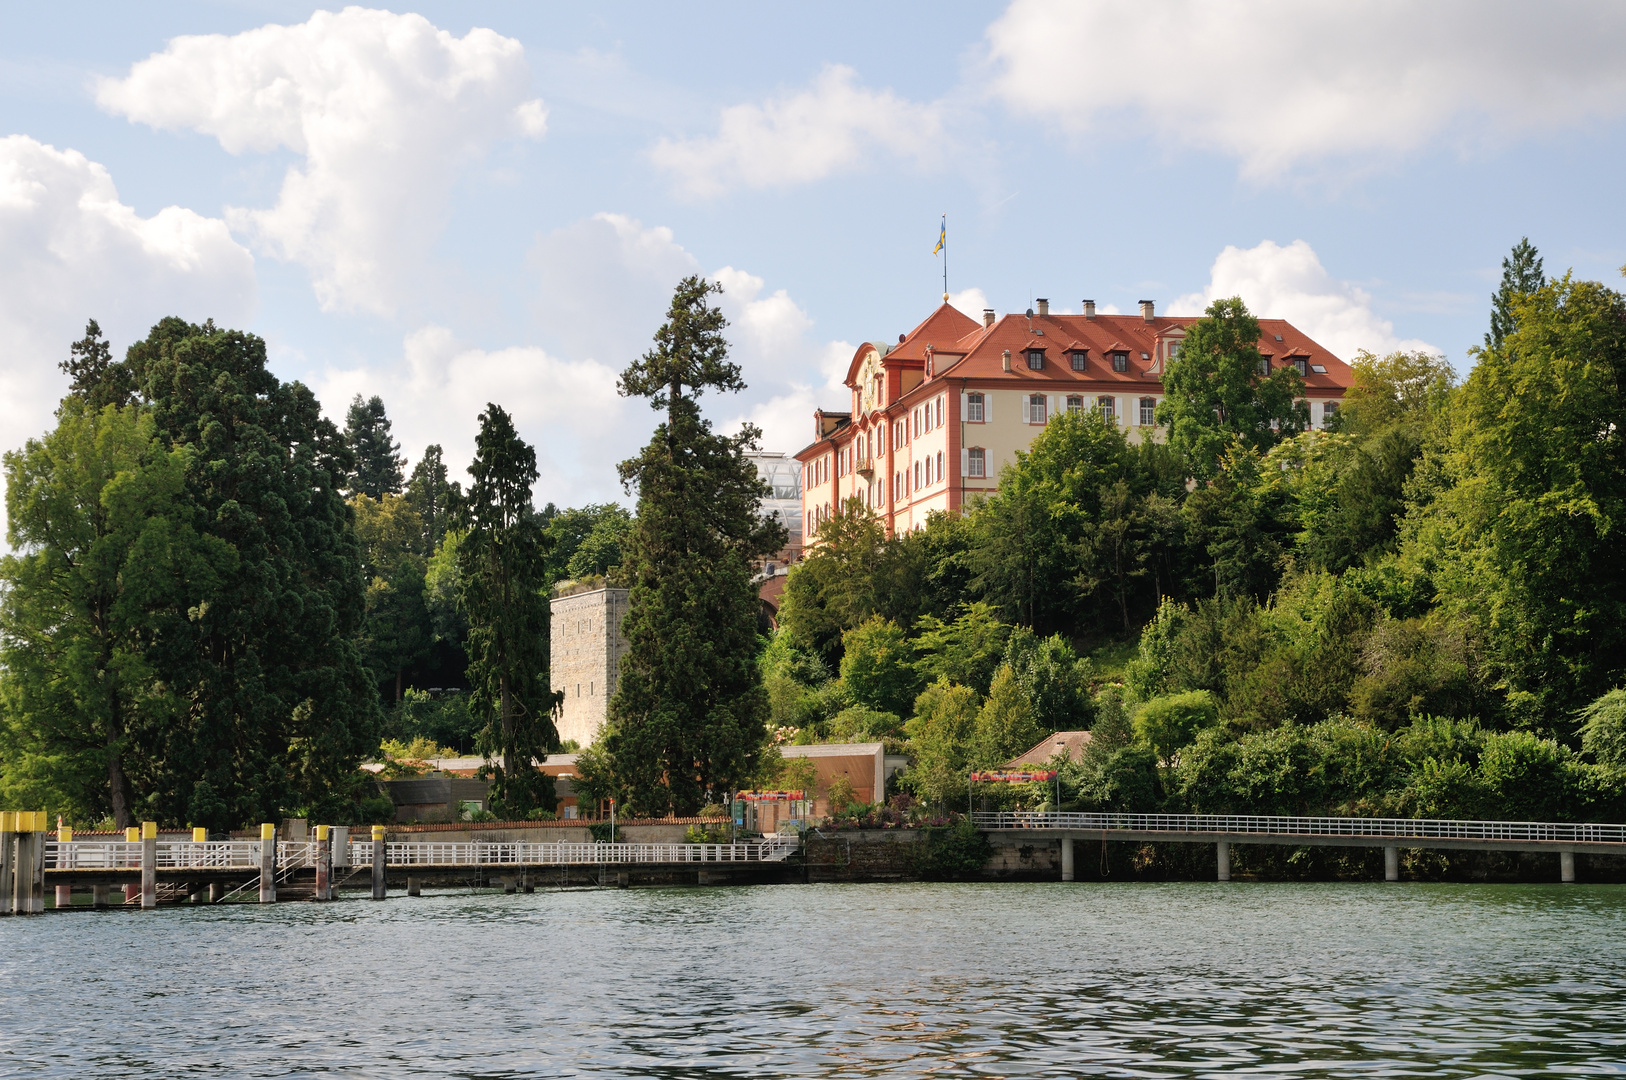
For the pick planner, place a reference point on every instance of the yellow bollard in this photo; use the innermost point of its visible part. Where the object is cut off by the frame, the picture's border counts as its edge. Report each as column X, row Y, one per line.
column 200, row 836
column 149, row 864
column 64, row 834
column 132, row 835
column 149, row 830
column 64, row 893
column 324, row 863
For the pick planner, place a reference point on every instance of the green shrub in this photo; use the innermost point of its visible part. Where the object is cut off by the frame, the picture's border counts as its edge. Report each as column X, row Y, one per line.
column 1168, row 724
column 952, row 854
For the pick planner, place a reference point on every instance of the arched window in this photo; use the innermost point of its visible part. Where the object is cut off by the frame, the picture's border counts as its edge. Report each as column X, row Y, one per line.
column 940, row 464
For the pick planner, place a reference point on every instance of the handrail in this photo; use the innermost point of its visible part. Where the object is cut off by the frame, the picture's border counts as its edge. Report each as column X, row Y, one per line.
column 1264, row 825
column 245, row 854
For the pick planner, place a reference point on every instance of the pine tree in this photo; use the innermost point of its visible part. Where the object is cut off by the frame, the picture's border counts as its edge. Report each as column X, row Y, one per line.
column 502, row 564
column 436, row 500
column 689, row 718
column 378, row 460
column 1521, row 276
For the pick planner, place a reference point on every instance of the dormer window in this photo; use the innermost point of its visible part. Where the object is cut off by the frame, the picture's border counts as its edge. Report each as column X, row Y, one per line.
column 1172, row 350
column 1264, row 367
column 1120, row 361
column 1080, row 360
column 1036, row 359
column 1302, row 365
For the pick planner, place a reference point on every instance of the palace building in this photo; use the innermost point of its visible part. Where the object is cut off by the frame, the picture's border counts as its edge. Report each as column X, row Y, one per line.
column 935, row 417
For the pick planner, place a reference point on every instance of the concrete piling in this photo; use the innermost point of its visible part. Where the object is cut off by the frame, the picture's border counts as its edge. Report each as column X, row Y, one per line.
column 623, row 881
column 98, row 896
column 149, row 864
column 324, row 859
column 1067, row 858
column 414, row 886
column 378, row 862
column 217, row 892
column 64, row 896
column 1222, row 853
column 8, row 844
column 1391, row 863
column 1566, row 866
column 268, row 863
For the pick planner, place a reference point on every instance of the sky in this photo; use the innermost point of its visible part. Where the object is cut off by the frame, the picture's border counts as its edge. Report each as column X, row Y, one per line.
column 451, row 205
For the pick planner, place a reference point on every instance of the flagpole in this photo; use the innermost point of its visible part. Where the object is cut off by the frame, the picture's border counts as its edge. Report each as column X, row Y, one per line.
column 945, row 259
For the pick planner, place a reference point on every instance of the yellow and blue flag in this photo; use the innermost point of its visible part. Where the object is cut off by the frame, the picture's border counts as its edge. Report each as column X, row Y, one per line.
column 942, row 237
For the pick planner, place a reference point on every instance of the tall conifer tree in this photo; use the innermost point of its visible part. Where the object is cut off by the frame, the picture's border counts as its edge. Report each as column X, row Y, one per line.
column 1521, row 276
column 688, row 720
column 378, row 458
column 436, row 499
column 502, row 568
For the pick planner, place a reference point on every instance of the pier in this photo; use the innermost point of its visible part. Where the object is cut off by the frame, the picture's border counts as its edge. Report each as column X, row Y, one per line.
column 1564, row 839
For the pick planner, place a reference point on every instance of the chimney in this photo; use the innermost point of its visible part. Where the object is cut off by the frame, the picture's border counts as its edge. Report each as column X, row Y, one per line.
column 1146, row 310
column 1005, row 360
column 1089, row 309
column 987, row 316
column 1044, row 308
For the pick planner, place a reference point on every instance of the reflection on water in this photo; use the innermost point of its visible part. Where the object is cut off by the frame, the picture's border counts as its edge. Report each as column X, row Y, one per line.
column 1130, row 980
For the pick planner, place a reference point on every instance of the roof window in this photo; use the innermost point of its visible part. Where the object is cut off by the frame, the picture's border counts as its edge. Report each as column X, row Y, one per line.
column 1120, row 361
column 1036, row 359
column 1319, row 369
column 1080, row 360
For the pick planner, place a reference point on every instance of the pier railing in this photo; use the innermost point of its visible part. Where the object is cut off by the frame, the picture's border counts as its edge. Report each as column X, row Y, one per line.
column 1260, row 825
column 293, row 855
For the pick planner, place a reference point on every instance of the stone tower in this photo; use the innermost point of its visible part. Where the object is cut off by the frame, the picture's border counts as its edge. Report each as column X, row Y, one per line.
column 585, row 657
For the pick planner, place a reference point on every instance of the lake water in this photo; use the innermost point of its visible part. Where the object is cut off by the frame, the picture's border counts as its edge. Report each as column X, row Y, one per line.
column 1112, row 980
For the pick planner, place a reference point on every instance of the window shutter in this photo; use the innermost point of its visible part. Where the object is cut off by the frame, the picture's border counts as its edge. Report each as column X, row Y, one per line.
column 965, row 461
column 964, row 407
column 1027, row 410
column 1055, row 405
column 987, row 406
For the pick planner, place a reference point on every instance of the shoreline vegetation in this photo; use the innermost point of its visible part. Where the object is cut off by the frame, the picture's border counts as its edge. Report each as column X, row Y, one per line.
column 219, row 605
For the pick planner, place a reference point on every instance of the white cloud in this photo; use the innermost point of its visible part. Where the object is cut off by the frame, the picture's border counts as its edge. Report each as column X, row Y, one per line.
column 385, row 110
column 1279, row 83
column 1290, row 283
column 970, row 302
column 73, row 252
column 806, row 136
column 567, row 409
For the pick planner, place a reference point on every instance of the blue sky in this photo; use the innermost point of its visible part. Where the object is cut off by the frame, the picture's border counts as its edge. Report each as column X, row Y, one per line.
column 451, row 204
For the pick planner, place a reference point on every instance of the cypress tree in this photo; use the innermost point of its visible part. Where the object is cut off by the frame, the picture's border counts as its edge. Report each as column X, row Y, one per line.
column 502, row 566
column 1521, row 276
column 377, row 455
column 689, row 718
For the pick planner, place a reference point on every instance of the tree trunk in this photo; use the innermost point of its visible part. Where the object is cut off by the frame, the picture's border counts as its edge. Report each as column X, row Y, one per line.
column 398, row 675
column 118, row 784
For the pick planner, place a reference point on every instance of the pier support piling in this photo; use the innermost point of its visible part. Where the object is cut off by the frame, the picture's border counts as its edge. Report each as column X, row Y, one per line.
column 378, row 862
column 268, row 863
column 98, row 896
column 623, row 881
column 1222, row 855
column 149, row 865
column 324, row 861
column 1566, row 867
column 217, row 892
column 414, row 886
column 1391, row 863
column 64, row 896
column 8, row 842
column 1067, row 858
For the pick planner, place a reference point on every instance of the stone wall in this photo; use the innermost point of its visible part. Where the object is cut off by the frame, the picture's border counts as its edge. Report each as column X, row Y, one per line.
column 586, row 647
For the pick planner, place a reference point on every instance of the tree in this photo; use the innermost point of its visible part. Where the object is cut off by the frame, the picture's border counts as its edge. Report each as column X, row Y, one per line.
column 967, row 650
column 257, row 640
column 501, row 559
column 940, row 741
column 377, row 460
column 1521, row 276
column 852, row 573
column 92, row 518
column 688, row 722
column 397, row 631
column 436, row 501
column 1523, row 533
column 1030, row 539
column 1218, row 390
column 1006, row 725
column 877, row 666
column 98, row 380
column 1055, row 679
column 1170, row 724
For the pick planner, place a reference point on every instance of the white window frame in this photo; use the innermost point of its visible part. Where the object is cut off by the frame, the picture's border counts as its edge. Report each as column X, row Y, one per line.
column 976, row 408
column 1108, row 407
column 976, row 461
column 1071, row 407
column 1148, row 416
column 1043, row 404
